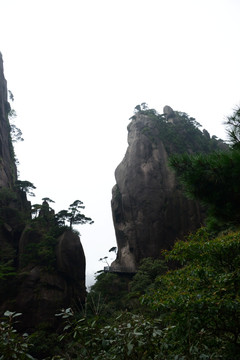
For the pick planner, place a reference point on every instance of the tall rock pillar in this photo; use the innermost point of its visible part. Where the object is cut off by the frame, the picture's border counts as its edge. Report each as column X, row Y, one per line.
column 149, row 208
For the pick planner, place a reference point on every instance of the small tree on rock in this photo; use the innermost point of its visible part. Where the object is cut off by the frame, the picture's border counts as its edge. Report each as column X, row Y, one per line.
column 25, row 186
column 73, row 215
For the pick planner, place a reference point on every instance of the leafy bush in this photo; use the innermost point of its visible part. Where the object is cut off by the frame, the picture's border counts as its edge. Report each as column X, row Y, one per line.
column 148, row 270
column 199, row 304
column 12, row 344
column 6, row 196
column 41, row 252
column 219, row 187
column 129, row 336
column 113, row 289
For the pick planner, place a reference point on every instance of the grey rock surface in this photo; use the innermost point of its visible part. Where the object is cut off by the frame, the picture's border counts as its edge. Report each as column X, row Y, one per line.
column 8, row 171
column 150, row 210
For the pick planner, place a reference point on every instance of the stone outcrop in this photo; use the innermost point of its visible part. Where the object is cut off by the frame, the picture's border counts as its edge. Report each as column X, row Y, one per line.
column 169, row 113
column 150, row 210
column 44, row 291
column 8, row 172
column 42, row 266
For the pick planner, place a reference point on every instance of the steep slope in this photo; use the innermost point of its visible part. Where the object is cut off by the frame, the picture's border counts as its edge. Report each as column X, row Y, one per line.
column 149, row 208
column 42, row 264
column 8, row 171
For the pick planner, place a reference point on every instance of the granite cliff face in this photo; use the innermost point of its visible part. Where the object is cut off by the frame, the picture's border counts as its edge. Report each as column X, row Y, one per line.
column 48, row 285
column 8, row 172
column 150, row 210
column 42, row 266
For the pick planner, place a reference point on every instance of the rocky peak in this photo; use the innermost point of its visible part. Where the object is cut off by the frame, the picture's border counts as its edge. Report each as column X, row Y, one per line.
column 150, row 210
column 169, row 113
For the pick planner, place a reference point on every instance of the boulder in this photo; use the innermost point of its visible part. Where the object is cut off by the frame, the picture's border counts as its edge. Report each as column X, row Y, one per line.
column 44, row 292
column 168, row 112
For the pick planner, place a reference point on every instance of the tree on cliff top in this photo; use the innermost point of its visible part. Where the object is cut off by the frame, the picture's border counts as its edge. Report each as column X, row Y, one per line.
column 25, row 186
column 73, row 215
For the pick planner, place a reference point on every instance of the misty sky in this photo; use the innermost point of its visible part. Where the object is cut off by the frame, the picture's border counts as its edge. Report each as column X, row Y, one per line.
column 78, row 68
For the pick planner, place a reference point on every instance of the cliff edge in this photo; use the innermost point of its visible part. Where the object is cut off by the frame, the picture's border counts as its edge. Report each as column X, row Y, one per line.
column 42, row 264
column 149, row 208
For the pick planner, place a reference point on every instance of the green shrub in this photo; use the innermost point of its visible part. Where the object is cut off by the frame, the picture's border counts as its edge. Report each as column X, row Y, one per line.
column 127, row 337
column 199, row 303
column 12, row 344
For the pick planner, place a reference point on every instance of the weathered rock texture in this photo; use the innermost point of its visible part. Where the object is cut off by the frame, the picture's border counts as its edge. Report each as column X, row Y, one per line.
column 150, row 210
column 169, row 113
column 43, row 291
column 42, row 268
column 8, row 172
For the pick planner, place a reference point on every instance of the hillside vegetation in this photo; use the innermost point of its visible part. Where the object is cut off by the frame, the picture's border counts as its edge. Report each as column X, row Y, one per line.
column 189, row 310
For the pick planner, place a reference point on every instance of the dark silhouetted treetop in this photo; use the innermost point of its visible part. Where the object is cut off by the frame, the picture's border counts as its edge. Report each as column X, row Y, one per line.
column 114, row 249
column 233, row 129
column 11, row 96
column 15, row 132
column 46, row 211
column 48, row 200
column 144, row 109
column 25, row 186
column 73, row 215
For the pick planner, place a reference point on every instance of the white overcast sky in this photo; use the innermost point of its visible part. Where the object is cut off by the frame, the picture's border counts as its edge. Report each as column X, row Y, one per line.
column 77, row 69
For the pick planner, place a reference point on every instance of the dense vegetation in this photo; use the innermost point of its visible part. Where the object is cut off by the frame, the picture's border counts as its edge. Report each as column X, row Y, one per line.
column 180, row 136
column 191, row 311
column 214, row 179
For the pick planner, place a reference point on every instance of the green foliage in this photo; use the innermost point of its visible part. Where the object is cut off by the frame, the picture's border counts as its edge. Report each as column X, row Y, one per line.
column 41, row 249
column 11, row 96
column 6, row 270
column 45, row 344
column 179, row 137
column 144, row 110
column 129, row 336
column 26, row 186
column 45, row 229
column 113, row 290
column 213, row 180
column 35, row 209
column 16, row 133
column 73, row 215
column 192, row 312
column 48, row 200
column 7, row 195
column 199, row 304
column 233, row 129
column 12, row 344
column 146, row 275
